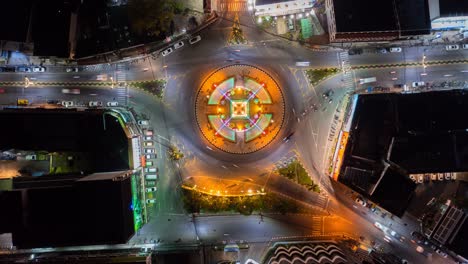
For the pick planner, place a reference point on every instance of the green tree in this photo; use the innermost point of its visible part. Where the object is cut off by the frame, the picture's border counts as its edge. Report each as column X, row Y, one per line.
column 152, row 17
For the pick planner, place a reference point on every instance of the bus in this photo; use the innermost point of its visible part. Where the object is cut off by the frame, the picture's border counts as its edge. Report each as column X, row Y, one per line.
column 367, row 80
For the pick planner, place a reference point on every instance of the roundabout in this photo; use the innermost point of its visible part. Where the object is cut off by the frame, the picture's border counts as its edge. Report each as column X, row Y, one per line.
column 240, row 109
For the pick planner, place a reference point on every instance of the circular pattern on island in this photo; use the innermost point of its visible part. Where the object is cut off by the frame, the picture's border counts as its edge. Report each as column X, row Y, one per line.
column 240, row 109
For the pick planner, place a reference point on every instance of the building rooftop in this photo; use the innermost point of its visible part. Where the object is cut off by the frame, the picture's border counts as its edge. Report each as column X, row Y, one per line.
column 392, row 140
column 18, row 13
column 409, row 17
column 49, row 216
column 453, row 8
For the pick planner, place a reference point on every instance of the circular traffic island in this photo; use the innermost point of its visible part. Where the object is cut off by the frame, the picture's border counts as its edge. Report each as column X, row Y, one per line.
column 240, row 109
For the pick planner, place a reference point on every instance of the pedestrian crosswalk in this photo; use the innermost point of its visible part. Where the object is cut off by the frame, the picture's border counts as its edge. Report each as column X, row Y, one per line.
column 99, row 67
column 317, row 225
column 120, row 86
column 232, row 5
column 348, row 80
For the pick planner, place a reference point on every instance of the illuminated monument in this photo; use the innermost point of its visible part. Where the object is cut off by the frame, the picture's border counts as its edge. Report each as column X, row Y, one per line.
column 240, row 109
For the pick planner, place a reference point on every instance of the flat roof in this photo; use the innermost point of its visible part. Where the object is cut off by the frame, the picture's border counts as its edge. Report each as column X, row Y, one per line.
column 364, row 15
column 18, row 14
column 453, row 8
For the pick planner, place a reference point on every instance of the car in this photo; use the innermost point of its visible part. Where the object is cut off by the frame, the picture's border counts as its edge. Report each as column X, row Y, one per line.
column 150, row 201
column 288, row 137
column 24, row 69
column 433, row 177
column 8, row 69
column 38, row 69
column 2, row 90
column 148, row 138
column 412, row 177
column 67, row 103
column 383, row 51
column 95, row 104
column 453, row 176
column 149, row 163
column 465, row 46
column 53, row 101
column 448, row 176
column 150, row 156
column 440, row 176
column 71, row 91
column 166, row 52
column 330, row 101
column 72, row 69
column 441, row 253
column 143, row 122
column 153, row 170
column 396, row 49
column 112, row 104
column 148, row 143
column 151, row 189
column 179, row 45
column 452, row 47
column 149, row 150
column 360, row 201
column 417, row 84
column 149, row 132
column 420, row 178
column 194, row 40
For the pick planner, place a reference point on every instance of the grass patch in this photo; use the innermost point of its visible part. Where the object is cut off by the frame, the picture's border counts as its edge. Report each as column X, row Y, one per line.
column 317, row 75
column 296, row 172
column 196, row 202
column 155, row 87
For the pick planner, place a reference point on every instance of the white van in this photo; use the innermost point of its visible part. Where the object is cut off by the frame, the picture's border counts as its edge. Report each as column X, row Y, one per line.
column 151, row 176
column 154, row 170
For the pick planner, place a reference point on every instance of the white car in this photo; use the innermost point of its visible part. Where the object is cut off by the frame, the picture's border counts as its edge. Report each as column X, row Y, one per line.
column 179, row 45
column 166, row 51
column 194, row 39
column 72, row 69
column 412, row 177
column 420, row 178
column 440, row 176
column 149, row 143
column 143, row 122
column 95, row 104
column 38, row 69
column 465, row 46
column 151, row 189
column 67, row 103
column 149, row 150
column 417, row 84
column 395, row 49
column 112, row 104
column 360, row 201
column 452, row 47
column 148, row 138
column 150, row 201
column 149, row 132
column 150, row 156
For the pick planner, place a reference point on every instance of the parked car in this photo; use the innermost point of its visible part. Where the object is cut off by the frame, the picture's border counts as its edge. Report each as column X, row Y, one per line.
column 151, row 156
column 420, row 178
column 24, row 69
column 148, row 143
column 143, row 122
column 412, row 177
column 149, row 150
column 383, row 50
column 72, row 69
column 179, row 45
column 150, row 201
column 148, row 132
column 448, row 176
column 38, row 69
column 441, row 253
column 95, row 104
column 112, row 104
column 360, row 201
column 151, row 189
column 465, row 46
column 433, row 176
column 148, row 138
column 417, row 84
column 452, row 47
column 166, row 52
column 67, row 103
column 440, row 176
column 395, row 49
column 194, row 39
column 153, row 170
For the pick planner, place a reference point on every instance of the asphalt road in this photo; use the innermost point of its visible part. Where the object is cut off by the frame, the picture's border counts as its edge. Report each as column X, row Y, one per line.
column 173, row 120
